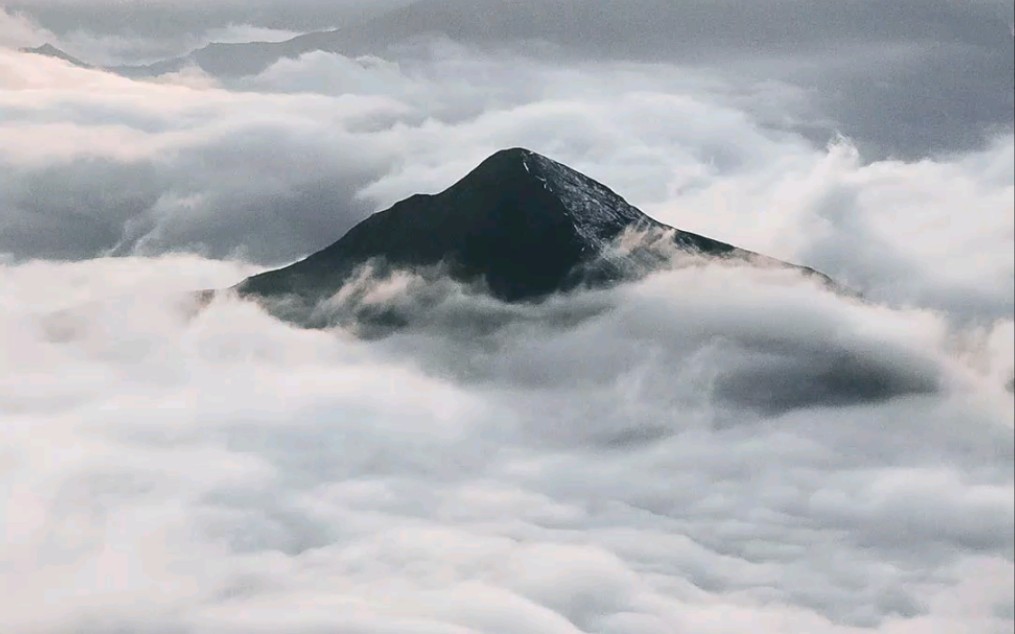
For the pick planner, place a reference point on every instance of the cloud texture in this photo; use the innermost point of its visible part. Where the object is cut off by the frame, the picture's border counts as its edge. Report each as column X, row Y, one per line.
column 272, row 167
column 599, row 463
column 902, row 79
column 711, row 449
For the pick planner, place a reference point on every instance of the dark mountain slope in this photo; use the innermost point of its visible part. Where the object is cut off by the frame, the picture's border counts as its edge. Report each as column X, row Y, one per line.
column 521, row 223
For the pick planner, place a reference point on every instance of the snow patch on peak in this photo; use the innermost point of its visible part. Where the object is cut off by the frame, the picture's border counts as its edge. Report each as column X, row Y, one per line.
column 597, row 213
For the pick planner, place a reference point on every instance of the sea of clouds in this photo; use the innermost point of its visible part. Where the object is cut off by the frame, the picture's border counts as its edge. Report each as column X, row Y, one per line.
column 711, row 449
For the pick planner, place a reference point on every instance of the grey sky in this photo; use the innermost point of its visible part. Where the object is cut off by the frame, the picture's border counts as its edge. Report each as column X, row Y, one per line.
column 904, row 78
column 172, row 18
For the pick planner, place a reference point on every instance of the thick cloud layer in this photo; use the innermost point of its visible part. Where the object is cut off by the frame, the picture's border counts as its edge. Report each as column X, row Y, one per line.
column 711, row 449
column 598, row 463
column 273, row 167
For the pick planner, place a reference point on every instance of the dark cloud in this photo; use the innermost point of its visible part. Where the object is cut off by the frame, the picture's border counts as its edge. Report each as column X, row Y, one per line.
column 168, row 18
column 74, row 211
column 110, row 32
column 780, row 383
column 903, row 79
column 91, row 207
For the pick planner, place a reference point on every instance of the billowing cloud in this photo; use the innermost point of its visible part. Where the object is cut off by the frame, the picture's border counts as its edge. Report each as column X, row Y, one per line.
column 710, row 449
column 597, row 463
column 272, row 167
column 903, row 79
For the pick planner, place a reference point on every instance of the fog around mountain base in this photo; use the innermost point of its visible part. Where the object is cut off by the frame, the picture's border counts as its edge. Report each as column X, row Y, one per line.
column 597, row 463
column 713, row 448
column 284, row 164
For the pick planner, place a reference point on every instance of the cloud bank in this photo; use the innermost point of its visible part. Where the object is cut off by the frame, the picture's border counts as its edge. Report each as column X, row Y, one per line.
column 711, row 449
column 272, row 167
column 903, row 79
column 598, row 463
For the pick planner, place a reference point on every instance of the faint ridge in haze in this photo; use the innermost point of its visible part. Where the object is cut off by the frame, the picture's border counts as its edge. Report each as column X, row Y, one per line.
column 49, row 50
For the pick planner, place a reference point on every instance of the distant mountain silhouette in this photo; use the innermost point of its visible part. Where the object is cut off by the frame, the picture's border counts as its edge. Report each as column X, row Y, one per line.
column 650, row 30
column 520, row 223
column 51, row 51
column 949, row 93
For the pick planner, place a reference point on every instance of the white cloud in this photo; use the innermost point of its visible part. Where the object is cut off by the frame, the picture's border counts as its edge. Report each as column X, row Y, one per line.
column 173, row 470
column 708, row 450
column 272, row 167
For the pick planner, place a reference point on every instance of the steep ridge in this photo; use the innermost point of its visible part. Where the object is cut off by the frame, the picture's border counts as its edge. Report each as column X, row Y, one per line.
column 522, row 224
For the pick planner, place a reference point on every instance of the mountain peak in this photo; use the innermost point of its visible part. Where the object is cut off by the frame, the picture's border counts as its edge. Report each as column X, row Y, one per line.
column 596, row 213
column 523, row 224
column 509, row 154
column 499, row 167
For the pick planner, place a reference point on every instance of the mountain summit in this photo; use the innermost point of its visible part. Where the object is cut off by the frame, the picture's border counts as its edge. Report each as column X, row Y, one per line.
column 521, row 223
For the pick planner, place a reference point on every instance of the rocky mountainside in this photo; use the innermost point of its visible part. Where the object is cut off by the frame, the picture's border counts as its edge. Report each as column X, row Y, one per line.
column 521, row 224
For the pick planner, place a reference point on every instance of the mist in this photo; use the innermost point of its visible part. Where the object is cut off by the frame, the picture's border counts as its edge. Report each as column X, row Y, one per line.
column 715, row 447
column 598, row 462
